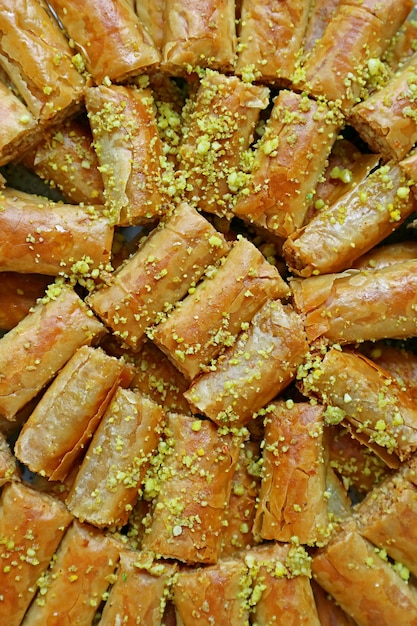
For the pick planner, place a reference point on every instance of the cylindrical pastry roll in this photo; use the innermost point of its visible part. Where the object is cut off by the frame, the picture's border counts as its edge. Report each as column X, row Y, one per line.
column 129, row 150
column 292, row 498
column 112, row 472
column 359, row 305
column 270, row 38
column 386, row 119
column 387, row 517
column 159, row 274
column 110, row 37
column 199, row 34
column 18, row 128
column 37, row 58
column 391, row 253
column 262, row 362
column 282, row 591
column 66, row 159
column 139, row 594
column 31, row 527
column 9, row 470
column 38, row 346
column 338, row 65
column 209, row 319
column 156, row 377
column 72, row 589
column 218, row 128
column 68, row 413
column 18, row 294
column 358, row 392
column 194, row 489
column 361, row 218
column 289, row 160
column 46, row 237
column 212, row 595
column 365, row 586
column 237, row 534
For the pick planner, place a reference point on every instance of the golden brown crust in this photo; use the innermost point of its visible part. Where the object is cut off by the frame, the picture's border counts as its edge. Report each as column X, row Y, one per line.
column 339, row 501
column 66, row 416
column 356, row 391
column 270, row 38
column 110, row 37
column 218, row 127
column 288, row 162
column 151, row 14
column 109, row 479
column 359, row 305
column 409, row 165
column 364, row 585
column 18, row 128
column 210, row 318
column 386, row 119
column 237, row 534
column 72, row 589
column 66, row 159
column 291, row 499
column 31, row 527
column 387, row 518
column 214, row 594
column 401, row 363
column 199, row 34
column 9, row 470
column 403, row 44
column 54, row 238
column 359, row 220
column 139, row 593
column 357, row 33
column 36, row 348
column 159, row 274
column 281, row 589
column 158, row 378
column 321, row 13
column 184, row 273
column 382, row 256
column 194, row 490
column 257, row 368
column 359, row 468
column 329, row 612
column 35, row 54
column 129, row 151
column 18, row 293
column 346, row 166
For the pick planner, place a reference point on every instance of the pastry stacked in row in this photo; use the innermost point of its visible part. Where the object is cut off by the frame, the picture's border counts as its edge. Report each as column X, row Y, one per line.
column 207, row 374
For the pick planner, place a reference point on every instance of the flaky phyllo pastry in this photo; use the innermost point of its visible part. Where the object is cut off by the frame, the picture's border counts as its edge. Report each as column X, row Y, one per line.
column 208, row 313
